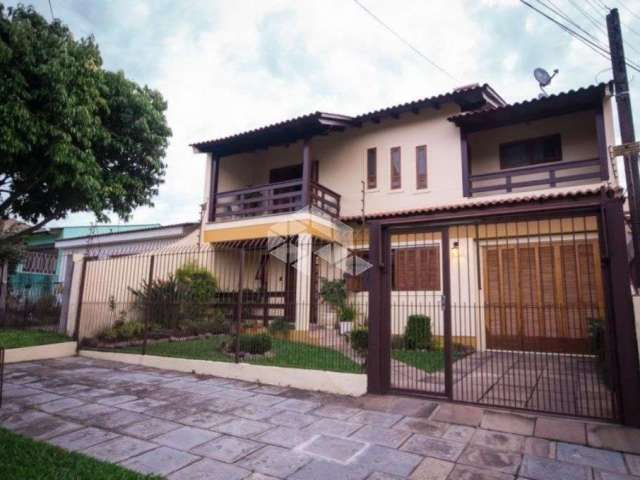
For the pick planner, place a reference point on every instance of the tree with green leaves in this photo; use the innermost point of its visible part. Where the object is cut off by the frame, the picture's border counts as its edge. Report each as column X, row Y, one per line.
column 74, row 137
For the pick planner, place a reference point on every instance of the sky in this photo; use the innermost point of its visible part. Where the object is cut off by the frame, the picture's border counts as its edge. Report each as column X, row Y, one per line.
column 226, row 66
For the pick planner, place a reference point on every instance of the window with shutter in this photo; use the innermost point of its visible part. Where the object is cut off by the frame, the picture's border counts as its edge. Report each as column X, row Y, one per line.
column 416, row 269
column 396, row 168
column 372, row 168
column 421, row 167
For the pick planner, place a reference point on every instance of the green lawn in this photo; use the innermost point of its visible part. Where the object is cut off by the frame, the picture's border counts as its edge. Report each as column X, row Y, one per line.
column 29, row 338
column 287, row 354
column 429, row 361
column 23, row 458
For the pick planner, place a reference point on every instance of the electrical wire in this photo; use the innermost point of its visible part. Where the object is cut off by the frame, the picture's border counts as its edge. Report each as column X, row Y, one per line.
column 628, row 10
column 53, row 17
column 403, row 40
column 598, row 49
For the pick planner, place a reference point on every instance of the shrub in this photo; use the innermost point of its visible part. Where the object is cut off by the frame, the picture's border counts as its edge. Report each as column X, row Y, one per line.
column 158, row 301
column 347, row 313
column 122, row 331
column 418, row 334
column 397, row 342
column 334, row 292
column 255, row 344
column 280, row 327
column 359, row 338
column 46, row 309
column 197, row 288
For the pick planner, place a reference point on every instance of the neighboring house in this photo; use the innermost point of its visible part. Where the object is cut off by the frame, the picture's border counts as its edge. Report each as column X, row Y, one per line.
column 40, row 269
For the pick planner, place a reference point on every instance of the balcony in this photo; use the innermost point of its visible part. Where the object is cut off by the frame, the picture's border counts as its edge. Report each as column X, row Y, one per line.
column 273, row 199
column 558, row 174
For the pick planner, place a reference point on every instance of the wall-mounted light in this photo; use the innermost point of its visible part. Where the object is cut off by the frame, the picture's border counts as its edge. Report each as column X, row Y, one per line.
column 455, row 249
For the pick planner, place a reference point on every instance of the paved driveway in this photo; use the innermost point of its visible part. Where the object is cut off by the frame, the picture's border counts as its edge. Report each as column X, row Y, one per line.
column 191, row 427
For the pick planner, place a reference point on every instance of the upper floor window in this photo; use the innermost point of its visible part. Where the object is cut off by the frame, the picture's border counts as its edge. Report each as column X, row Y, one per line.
column 531, row 152
column 396, row 169
column 421, row 167
column 372, row 168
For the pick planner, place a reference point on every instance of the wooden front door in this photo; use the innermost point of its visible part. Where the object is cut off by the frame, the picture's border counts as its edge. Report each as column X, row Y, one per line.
column 541, row 296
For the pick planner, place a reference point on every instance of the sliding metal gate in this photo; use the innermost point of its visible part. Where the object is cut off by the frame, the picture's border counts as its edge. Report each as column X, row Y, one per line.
column 509, row 313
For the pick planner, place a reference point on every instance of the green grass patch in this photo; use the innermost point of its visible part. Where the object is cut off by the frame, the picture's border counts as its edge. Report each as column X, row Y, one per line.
column 302, row 355
column 29, row 338
column 23, row 458
column 427, row 360
column 285, row 354
column 200, row 349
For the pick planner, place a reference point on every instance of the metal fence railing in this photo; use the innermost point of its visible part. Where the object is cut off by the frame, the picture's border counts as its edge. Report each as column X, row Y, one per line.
column 31, row 304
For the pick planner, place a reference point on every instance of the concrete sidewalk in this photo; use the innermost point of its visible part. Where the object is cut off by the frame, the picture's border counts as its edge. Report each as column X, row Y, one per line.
column 188, row 427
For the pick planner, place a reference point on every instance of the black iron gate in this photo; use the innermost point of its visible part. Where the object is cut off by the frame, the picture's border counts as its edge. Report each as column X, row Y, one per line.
column 511, row 312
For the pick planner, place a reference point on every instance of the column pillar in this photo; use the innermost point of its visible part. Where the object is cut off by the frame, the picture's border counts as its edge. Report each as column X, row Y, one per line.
column 303, row 281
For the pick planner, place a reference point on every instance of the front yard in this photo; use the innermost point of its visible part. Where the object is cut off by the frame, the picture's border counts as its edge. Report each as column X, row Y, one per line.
column 284, row 353
column 23, row 458
column 29, row 338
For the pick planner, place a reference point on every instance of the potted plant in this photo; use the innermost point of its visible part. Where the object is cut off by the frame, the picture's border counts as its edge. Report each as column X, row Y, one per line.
column 347, row 315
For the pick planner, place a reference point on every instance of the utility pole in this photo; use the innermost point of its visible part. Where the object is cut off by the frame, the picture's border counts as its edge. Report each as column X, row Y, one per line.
column 627, row 132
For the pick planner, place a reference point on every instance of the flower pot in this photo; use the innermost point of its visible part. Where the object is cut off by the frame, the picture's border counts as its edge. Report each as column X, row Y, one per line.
column 345, row 327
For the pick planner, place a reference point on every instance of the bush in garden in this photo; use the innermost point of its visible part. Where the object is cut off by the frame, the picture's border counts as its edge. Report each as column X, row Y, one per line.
column 418, row 335
column 158, row 301
column 397, row 342
column 255, row 344
column 347, row 313
column 280, row 327
column 46, row 309
column 334, row 292
column 359, row 338
column 197, row 288
column 122, row 331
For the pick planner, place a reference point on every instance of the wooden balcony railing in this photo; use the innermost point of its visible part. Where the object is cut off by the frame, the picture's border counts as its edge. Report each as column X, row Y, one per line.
column 543, row 176
column 273, row 199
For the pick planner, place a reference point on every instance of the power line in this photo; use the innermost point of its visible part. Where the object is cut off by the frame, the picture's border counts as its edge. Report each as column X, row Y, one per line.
column 628, row 10
column 403, row 40
column 53, row 17
column 599, row 49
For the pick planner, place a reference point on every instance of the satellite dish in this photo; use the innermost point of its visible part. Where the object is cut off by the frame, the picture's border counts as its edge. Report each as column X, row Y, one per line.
column 543, row 78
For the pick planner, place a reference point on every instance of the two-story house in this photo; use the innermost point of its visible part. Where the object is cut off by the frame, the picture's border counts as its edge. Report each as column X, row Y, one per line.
column 501, row 223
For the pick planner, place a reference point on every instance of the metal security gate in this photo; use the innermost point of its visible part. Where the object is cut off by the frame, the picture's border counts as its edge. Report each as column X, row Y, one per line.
column 509, row 313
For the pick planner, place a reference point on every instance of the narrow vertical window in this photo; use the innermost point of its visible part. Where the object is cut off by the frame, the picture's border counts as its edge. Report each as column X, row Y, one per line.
column 372, row 168
column 396, row 169
column 421, row 167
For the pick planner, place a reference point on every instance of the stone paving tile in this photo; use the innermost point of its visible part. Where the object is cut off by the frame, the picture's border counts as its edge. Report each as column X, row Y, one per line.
column 270, row 389
column 388, row 460
column 232, row 394
column 141, row 405
column 560, row 429
column 58, row 405
column 161, row 461
column 172, row 412
column 9, row 409
column 322, row 470
column 597, row 475
column 227, row 449
column 45, row 428
column 253, row 412
column 210, row 470
column 205, row 419
column 615, row 438
column 185, row 438
column 94, row 393
column 293, row 419
column 87, row 412
column 337, row 412
column 333, row 448
column 285, row 437
column 380, row 419
column 15, row 391
column 633, row 462
column 508, row 422
column 242, row 428
column 329, row 426
column 300, row 406
column 22, row 419
column 508, row 442
column 264, row 400
column 432, row 469
column 536, row 468
column 466, row 472
column 33, row 400
column 118, row 449
column 422, row 426
column 387, row 437
column 459, row 433
column 459, row 414
column 152, row 427
column 488, row 458
column 116, row 419
column 275, row 461
column 81, row 439
column 433, row 447
column 539, row 447
column 593, row 457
